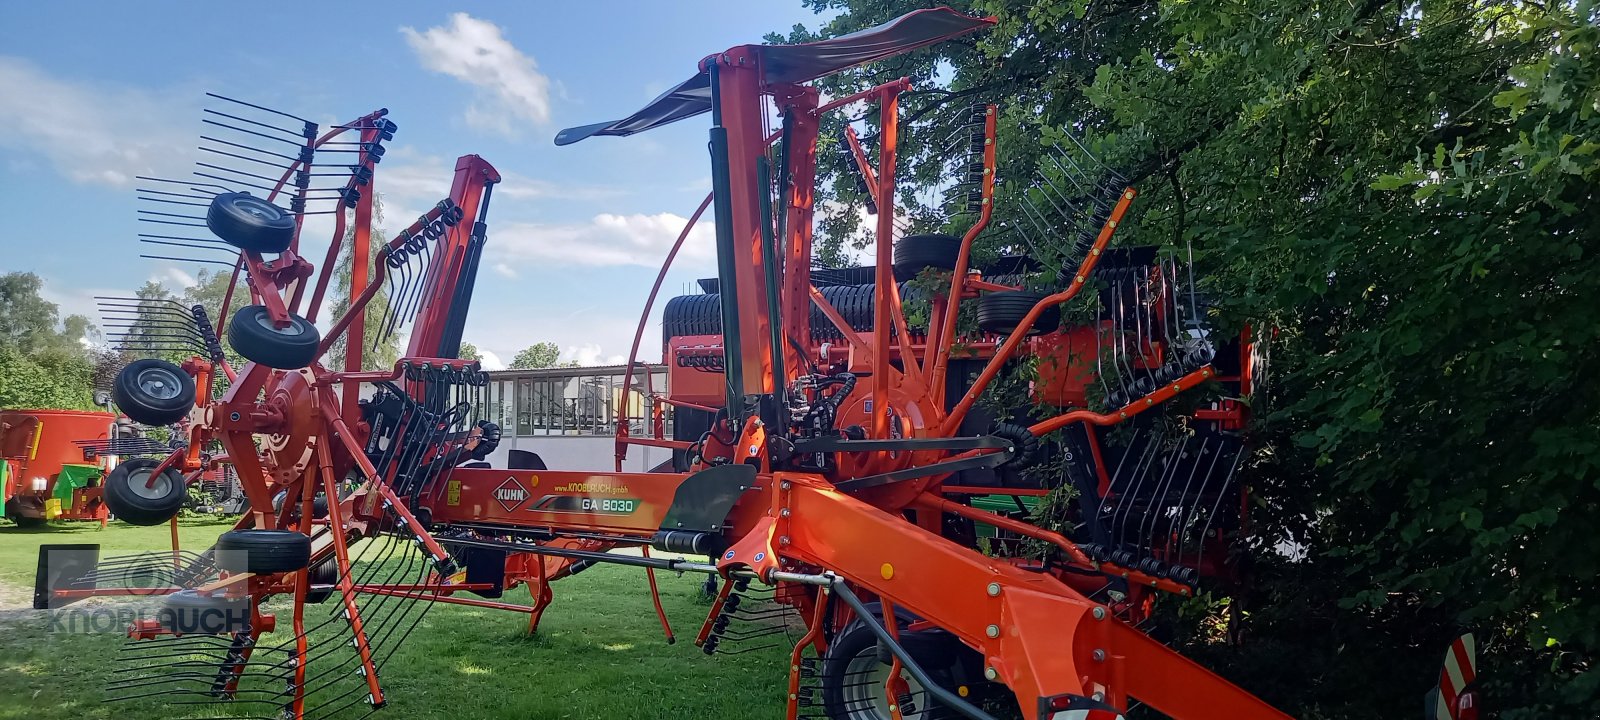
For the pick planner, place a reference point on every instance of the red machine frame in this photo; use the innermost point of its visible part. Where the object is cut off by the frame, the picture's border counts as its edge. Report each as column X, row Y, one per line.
column 819, row 538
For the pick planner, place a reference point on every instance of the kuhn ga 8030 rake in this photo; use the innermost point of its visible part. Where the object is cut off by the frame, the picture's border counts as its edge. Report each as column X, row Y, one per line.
column 829, row 449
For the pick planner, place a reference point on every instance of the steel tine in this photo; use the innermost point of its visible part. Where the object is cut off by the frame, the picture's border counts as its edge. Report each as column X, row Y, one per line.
column 296, row 143
column 294, row 133
column 1217, row 504
column 236, row 171
column 189, row 259
column 248, row 159
column 175, row 202
column 259, row 107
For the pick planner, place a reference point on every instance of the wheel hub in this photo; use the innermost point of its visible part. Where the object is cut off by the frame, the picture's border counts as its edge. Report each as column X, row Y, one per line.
column 264, row 319
column 864, row 697
column 256, row 209
column 158, row 384
column 139, row 483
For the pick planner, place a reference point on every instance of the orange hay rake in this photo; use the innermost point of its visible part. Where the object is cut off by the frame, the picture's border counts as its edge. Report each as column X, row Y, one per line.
column 829, row 446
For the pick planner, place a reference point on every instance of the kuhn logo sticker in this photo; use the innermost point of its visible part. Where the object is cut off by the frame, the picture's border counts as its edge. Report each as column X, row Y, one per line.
column 511, row 494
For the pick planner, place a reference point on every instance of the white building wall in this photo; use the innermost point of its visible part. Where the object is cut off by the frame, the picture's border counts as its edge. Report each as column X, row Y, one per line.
column 580, row 452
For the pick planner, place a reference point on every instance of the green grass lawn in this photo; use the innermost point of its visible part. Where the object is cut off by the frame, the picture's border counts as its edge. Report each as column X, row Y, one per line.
column 599, row 652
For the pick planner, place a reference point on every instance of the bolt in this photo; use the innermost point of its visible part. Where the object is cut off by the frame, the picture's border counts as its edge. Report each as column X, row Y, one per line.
column 1099, row 696
column 791, row 696
column 233, row 416
column 893, row 709
column 1099, row 656
column 783, row 513
column 783, row 540
column 784, row 485
column 1099, row 613
column 994, row 589
column 992, row 631
column 989, row 672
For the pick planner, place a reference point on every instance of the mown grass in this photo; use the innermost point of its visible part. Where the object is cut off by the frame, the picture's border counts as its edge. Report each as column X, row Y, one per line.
column 599, row 652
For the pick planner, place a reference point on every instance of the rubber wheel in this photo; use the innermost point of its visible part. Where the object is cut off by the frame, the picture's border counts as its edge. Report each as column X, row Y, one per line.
column 323, row 573
column 153, row 392
column 254, row 336
column 24, row 518
column 189, row 612
column 128, row 497
column 250, row 223
column 319, row 506
column 1002, row 312
column 854, row 670
column 263, row 551
column 915, row 252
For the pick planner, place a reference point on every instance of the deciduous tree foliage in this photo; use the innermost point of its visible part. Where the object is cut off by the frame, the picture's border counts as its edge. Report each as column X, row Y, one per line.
column 539, row 355
column 1405, row 192
column 43, row 361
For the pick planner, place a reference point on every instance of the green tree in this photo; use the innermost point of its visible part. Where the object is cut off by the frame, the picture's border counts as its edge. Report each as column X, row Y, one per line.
column 44, row 362
column 32, row 324
column 540, row 355
column 1405, row 193
column 469, row 352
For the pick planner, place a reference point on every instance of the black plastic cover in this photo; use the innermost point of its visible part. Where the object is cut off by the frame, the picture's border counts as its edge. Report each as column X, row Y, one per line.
column 788, row 64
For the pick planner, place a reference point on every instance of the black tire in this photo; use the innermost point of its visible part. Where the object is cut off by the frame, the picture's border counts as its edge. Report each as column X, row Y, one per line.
column 263, row 551
column 25, row 515
column 319, row 505
column 254, row 336
column 1002, row 312
column 128, row 498
column 250, row 223
column 915, row 252
column 324, row 573
column 853, row 671
column 153, row 392
column 189, row 612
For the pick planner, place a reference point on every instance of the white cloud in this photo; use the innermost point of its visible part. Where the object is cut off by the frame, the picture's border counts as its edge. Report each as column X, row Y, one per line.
column 505, row 270
column 606, row 239
column 491, row 361
column 73, row 299
column 94, row 134
column 179, row 280
column 408, row 180
column 508, row 82
column 590, row 355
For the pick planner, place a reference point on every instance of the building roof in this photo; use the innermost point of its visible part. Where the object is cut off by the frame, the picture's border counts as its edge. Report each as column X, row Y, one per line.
column 573, row 371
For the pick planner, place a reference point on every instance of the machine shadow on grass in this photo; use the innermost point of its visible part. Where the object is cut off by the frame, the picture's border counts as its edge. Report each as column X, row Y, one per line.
column 604, row 644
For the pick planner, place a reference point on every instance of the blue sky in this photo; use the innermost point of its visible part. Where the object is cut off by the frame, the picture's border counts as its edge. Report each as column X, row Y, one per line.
column 91, row 95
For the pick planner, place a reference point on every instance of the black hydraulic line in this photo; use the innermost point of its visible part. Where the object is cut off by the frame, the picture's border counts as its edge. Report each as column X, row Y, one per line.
column 769, row 264
column 839, row 444
column 655, row 563
column 784, row 179
column 990, row 460
column 727, row 272
column 939, row 692
column 450, row 341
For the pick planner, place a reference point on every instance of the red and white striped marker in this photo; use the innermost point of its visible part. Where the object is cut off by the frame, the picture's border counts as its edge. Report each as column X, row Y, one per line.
column 1456, row 697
